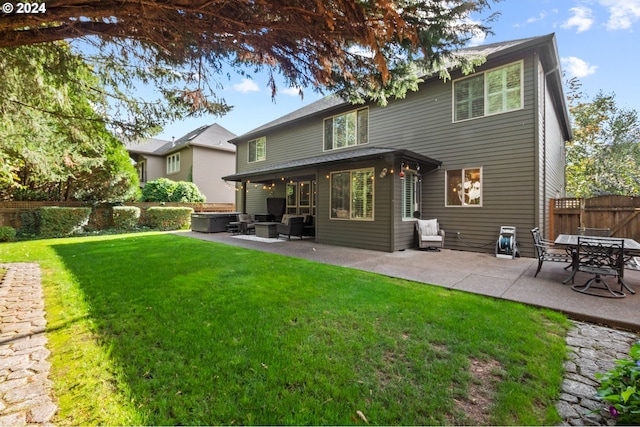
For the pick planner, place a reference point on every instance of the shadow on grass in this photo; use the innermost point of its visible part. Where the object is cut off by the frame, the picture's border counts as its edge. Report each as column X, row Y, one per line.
column 203, row 333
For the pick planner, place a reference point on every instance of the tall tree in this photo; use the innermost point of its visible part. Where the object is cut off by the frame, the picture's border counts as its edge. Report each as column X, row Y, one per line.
column 53, row 140
column 353, row 47
column 604, row 155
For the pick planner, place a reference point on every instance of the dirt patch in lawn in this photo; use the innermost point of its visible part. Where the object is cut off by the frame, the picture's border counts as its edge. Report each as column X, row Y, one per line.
column 476, row 406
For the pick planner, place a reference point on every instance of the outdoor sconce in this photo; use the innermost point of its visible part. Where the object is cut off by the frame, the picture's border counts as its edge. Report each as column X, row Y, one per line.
column 383, row 173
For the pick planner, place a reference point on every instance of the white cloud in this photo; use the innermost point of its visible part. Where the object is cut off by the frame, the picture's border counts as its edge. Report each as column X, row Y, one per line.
column 477, row 37
column 293, row 91
column 576, row 67
column 582, row 19
column 622, row 13
column 246, row 86
column 540, row 17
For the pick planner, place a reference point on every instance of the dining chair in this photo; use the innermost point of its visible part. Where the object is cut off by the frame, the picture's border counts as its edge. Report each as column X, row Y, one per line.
column 546, row 252
column 600, row 257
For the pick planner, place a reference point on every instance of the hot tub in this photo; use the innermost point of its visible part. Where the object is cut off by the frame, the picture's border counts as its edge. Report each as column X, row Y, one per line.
column 212, row 222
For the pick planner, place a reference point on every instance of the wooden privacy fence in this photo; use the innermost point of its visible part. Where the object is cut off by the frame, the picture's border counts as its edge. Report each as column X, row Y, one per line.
column 620, row 214
column 101, row 214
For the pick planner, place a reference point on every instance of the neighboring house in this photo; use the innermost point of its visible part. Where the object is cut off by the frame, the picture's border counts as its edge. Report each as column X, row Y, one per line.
column 202, row 156
column 476, row 152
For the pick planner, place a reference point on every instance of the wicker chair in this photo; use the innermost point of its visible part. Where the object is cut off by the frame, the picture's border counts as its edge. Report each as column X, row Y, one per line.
column 293, row 227
column 430, row 235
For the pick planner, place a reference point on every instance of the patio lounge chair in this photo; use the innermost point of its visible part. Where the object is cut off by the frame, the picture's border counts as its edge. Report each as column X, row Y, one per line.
column 546, row 252
column 246, row 224
column 292, row 227
column 429, row 234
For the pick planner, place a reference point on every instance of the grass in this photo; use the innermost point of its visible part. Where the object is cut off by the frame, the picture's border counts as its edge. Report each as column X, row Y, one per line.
column 159, row 329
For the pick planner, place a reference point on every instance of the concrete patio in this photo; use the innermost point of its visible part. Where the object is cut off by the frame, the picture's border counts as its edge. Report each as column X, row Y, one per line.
column 479, row 273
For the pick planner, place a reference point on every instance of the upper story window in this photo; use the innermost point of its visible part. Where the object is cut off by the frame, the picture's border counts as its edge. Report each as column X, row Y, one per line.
column 257, row 149
column 464, row 187
column 347, row 129
column 173, row 163
column 492, row 92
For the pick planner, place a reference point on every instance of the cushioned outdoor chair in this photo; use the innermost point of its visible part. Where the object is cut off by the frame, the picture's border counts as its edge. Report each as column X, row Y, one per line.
column 546, row 252
column 292, row 227
column 429, row 234
column 246, row 224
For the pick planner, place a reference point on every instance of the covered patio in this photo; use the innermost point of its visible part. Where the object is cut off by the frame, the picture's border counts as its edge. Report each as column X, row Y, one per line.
column 478, row 273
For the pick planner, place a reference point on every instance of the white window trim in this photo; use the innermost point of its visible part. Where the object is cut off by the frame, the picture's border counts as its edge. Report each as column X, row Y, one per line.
column 324, row 143
column 373, row 195
column 413, row 176
column 173, row 163
column 463, row 205
column 485, row 90
column 256, row 140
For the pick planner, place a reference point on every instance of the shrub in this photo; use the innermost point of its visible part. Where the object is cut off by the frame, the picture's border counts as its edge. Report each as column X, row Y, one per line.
column 620, row 388
column 30, row 223
column 169, row 218
column 7, row 234
column 59, row 222
column 166, row 190
column 187, row 192
column 126, row 217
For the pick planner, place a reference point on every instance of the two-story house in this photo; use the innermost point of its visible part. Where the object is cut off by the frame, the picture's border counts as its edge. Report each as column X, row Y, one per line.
column 476, row 152
column 202, row 156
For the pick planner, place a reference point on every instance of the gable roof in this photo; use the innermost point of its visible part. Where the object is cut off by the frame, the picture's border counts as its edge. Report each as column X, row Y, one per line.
column 548, row 55
column 210, row 136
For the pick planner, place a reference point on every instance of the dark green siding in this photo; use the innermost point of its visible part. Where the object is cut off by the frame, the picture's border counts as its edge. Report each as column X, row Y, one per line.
column 506, row 146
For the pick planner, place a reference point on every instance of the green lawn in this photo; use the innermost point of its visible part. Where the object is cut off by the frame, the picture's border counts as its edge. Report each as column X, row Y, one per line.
column 160, row 329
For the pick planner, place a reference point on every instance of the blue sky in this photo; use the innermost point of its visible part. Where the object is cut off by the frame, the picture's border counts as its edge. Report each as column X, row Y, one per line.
column 598, row 42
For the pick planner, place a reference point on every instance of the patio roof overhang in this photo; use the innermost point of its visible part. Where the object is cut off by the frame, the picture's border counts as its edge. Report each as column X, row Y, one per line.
column 304, row 167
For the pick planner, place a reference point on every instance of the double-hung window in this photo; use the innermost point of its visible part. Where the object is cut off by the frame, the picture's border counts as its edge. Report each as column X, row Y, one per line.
column 173, row 163
column 464, row 187
column 347, row 129
column 352, row 194
column 257, row 149
column 492, row 92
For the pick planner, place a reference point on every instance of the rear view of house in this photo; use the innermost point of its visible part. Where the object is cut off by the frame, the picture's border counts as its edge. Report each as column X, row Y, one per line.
column 476, row 152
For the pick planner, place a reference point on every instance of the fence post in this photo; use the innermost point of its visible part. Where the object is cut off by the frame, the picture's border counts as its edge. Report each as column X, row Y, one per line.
column 552, row 207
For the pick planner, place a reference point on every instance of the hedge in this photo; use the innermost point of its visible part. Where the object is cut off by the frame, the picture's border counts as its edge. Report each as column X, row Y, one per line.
column 169, row 218
column 126, row 217
column 7, row 234
column 59, row 222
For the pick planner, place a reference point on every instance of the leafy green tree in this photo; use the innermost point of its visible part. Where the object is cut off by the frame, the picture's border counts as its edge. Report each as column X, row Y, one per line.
column 604, row 155
column 53, row 141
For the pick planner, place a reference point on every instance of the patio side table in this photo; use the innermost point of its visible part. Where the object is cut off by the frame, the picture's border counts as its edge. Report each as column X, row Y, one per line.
column 266, row 229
